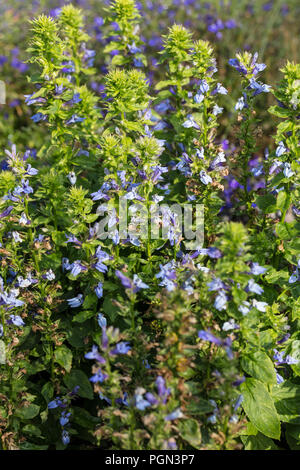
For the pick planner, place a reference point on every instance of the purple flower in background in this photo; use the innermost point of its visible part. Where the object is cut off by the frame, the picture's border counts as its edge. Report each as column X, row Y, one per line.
column 207, row 336
column 225, row 343
column 212, row 252
column 6, row 212
column 126, row 282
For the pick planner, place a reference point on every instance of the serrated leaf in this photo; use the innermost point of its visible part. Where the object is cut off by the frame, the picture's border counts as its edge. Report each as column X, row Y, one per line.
column 286, row 398
column 189, row 430
column 259, row 407
column 259, row 366
column 63, row 356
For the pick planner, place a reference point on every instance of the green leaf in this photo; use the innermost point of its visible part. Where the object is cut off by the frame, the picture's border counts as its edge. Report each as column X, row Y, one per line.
column 259, row 366
column 286, row 398
column 273, row 276
column 28, row 412
column 282, row 201
column 63, row 356
column 287, row 231
column 199, row 407
column 83, row 316
column 266, row 203
column 48, row 391
column 258, row 442
column 260, row 409
column 77, row 377
column 90, row 301
column 189, row 430
column 31, row 446
column 84, row 418
column 32, row 430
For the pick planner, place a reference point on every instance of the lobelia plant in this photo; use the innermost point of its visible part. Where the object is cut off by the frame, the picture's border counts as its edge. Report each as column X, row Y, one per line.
column 191, row 348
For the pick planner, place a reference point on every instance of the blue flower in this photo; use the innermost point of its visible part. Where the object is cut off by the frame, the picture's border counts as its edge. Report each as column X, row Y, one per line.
column 221, row 301
column 94, row 354
column 99, row 377
column 244, row 308
column 99, row 290
column 260, row 306
column 259, row 87
column 38, row 117
column 126, row 282
column 256, row 269
column 240, row 104
column 280, row 149
column 64, row 418
column 74, row 118
column 176, row 414
column 65, row 437
column 75, row 301
column 287, row 170
column 220, row 89
column 15, row 320
column 215, row 284
column 57, row 403
column 102, row 322
column 31, row 171
column 121, row 348
column 50, row 276
column 190, row 122
column 230, row 325
column 140, row 402
column 238, row 66
column 205, row 178
column 198, row 98
column 253, row 287
column 207, row 336
column 6, row 212
column 280, row 358
column 77, row 267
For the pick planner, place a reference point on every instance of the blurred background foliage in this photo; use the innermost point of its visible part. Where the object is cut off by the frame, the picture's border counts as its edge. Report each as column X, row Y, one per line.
column 270, row 28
